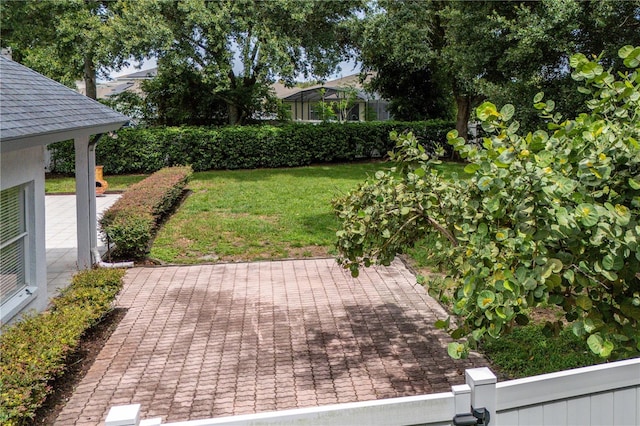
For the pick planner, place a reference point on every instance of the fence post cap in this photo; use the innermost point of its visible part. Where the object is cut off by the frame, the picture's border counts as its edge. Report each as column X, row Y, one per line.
column 480, row 376
column 460, row 389
column 123, row 415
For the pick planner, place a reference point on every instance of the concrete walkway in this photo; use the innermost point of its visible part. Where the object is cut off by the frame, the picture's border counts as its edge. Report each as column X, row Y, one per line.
column 219, row 340
column 62, row 240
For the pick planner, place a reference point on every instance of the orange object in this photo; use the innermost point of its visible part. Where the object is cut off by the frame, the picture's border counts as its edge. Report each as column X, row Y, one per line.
column 101, row 184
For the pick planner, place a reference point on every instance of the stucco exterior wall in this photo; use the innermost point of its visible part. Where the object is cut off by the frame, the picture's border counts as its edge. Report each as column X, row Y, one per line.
column 26, row 167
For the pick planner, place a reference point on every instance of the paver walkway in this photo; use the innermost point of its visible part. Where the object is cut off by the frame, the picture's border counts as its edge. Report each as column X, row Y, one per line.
column 218, row 340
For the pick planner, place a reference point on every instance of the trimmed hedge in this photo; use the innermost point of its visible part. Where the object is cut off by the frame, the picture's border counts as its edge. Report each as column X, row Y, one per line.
column 147, row 150
column 33, row 351
column 132, row 220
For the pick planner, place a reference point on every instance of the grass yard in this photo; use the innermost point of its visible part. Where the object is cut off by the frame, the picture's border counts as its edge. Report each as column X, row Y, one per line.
column 67, row 184
column 249, row 215
column 526, row 351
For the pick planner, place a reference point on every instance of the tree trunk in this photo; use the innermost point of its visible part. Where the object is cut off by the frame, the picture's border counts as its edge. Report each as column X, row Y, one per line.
column 463, row 102
column 90, row 78
column 234, row 114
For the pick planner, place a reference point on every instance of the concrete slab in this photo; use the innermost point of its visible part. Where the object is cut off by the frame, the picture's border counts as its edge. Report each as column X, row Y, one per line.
column 62, row 240
column 217, row 340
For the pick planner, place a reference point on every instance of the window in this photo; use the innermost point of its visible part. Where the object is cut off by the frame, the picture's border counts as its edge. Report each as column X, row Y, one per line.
column 13, row 242
column 314, row 111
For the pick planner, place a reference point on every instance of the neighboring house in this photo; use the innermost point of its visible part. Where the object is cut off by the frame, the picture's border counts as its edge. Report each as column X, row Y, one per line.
column 305, row 102
column 34, row 112
column 302, row 101
column 125, row 83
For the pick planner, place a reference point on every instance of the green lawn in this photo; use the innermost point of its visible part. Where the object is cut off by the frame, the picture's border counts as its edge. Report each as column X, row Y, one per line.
column 526, row 351
column 260, row 214
column 67, row 185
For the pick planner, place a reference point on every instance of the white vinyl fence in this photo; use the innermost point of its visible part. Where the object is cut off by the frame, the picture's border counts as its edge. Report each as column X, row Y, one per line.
column 607, row 395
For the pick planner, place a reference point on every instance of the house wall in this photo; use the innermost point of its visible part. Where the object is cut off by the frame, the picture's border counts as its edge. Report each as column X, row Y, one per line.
column 19, row 168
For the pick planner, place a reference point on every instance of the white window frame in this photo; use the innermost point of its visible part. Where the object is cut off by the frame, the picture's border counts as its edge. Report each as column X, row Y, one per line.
column 26, row 292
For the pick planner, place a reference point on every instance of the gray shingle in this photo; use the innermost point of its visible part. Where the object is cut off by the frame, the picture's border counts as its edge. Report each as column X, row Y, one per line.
column 32, row 104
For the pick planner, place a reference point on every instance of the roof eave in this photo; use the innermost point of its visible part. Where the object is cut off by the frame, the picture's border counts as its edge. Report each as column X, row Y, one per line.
column 29, row 141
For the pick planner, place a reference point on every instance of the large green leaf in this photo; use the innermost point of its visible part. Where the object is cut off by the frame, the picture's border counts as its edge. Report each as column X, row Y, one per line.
column 633, row 58
column 456, row 350
column 612, row 263
column 538, row 97
column 484, row 183
column 471, row 168
column 588, row 214
column 600, row 346
column 486, row 111
column 485, row 299
column 625, row 51
column 584, row 302
column 507, row 112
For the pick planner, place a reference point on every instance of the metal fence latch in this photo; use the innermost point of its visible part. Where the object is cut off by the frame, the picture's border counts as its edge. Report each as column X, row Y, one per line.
column 464, row 420
column 480, row 416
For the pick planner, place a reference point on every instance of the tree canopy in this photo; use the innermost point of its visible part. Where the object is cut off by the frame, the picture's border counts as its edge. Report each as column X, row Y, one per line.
column 396, row 43
column 240, row 47
column 427, row 55
column 66, row 40
column 547, row 217
column 234, row 49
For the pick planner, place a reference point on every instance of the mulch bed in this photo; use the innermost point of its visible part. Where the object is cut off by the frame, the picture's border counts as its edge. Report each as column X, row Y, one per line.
column 78, row 365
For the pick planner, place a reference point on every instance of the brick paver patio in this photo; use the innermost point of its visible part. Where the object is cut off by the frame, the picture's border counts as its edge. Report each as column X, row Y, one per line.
column 218, row 340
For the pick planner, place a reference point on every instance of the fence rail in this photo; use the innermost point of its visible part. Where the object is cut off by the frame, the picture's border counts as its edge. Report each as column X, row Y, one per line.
column 607, row 394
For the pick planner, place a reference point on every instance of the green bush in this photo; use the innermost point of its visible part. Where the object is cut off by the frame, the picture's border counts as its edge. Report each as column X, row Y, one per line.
column 543, row 218
column 132, row 220
column 131, row 234
column 33, row 351
column 150, row 149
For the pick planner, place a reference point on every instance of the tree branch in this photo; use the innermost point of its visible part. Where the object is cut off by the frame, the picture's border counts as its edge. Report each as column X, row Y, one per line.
column 443, row 231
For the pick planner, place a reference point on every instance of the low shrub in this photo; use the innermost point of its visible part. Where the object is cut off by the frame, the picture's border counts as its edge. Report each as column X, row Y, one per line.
column 33, row 351
column 132, row 220
column 295, row 144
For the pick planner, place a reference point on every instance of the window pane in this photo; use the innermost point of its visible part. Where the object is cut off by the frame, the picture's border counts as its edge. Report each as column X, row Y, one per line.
column 11, row 218
column 12, row 242
column 11, row 269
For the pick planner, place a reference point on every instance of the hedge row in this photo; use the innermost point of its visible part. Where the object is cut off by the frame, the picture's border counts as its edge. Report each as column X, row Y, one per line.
column 131, row 222
column 34, row 350
column 147, row 150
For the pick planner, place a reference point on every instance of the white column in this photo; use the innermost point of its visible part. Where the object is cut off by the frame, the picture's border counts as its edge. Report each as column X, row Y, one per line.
column 85, row 190
column 93, row 220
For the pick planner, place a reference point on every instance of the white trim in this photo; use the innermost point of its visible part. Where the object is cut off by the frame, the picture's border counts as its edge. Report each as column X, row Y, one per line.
column 13, row 240
column 24, row 214
column 23, row 142
column 17, row 302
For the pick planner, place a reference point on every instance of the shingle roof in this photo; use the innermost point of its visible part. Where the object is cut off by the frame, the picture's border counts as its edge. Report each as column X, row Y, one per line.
column 34, row 105
column 332, row 87
column 143, row 74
